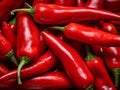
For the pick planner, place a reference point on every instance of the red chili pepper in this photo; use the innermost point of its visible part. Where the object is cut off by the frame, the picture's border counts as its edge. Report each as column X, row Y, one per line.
column 80, row 3
column 3, row 69
column 100, row 4
column 49, row 80
column 6, row 49
column 113, row 5
column 42, row 64
column 56, row 14
column 42, row 1
column 98, row 69
column 9, row 34
column 65, row 2
column 6, row 7
column 71, row 60
column 28, row 40
column 89, row 35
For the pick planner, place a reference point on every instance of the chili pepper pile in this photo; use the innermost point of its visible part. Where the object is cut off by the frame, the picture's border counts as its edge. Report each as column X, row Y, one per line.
column 60, row 44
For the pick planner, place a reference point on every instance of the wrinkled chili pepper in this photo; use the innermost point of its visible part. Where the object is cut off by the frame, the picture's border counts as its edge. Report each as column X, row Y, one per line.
column 28, row 40
column 44, row 63
column 98, row 69
column 56, row 14
column 6, row 7
column 100, row 4
column 71, row 60
column 3, row 69
column 50, row 80
column 89, row 35
column 65, row 2
column 9, row 34
column 6, row 49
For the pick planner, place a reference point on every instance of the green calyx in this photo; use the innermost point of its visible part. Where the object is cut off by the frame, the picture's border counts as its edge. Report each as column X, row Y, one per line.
column 116, row 73
column 90, row 88
column 12, row 57
column 29, row 10
column 24, row 60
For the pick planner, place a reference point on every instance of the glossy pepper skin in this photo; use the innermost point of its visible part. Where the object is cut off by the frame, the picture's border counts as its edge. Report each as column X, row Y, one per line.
column 56, row 14
column 71, row 60
column 89, row 35
column 6, row 6
column 98, row 69
column 80, row 3
column 9, row 34
column 50, row 80
column 6, row 49
column 65, row 2
column 42, row 1
column 28, row 40
column 44, row 63
column 100, row 4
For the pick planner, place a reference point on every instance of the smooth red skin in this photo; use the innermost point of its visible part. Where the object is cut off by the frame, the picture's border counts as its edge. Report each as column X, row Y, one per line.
column 113, row 5
column 28, row 37
column 6, row 7
column 49, row 80
column 71, row 60
column 42, row 64
column 13, row 27
column 80, row 3
column 100, row 4
column 100, row 85
column 56, row 14
column 3, row 69
column 65, row 2
column 97, row 67
column 5, row 46
column 41, row 1
column 9, row 34
column 89, row 35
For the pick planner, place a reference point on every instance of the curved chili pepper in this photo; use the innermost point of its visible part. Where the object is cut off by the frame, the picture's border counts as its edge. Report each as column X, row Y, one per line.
column 42, row 1
column 89, row 35
column 71, row 60
column 6, row 7
column 56, row 14
column 98, row 69
column 28, row 40
column 65, row 2
column 80, row 3
column 6, row 49
column 49, row 80
column 113, row 5
column 9, row 34
column 42, row 64
column 100, row 4
column 3, row 69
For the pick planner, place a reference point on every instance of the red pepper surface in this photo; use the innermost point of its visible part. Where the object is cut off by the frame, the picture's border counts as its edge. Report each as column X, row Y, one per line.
column 98, row 69
column 28, row 40
column 65, row 2
column 42, row 64
column 49, row 80
column 6, row 6
column 71, row 60
column 100, row 4
column 3, row 69
column 57, row 14
column 6, row 49
column 89, row 35
column 42, row 1
column 80, row 3
column 113, row 5
column 9, row 34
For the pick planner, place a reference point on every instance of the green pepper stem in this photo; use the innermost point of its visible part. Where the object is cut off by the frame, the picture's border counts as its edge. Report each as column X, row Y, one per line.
column 12, row 57
column 90, row 56
column 13, row 21
column 116, row 73
column 90, row 88
column 24, row 60
column 60, row 28
column 28, row 10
